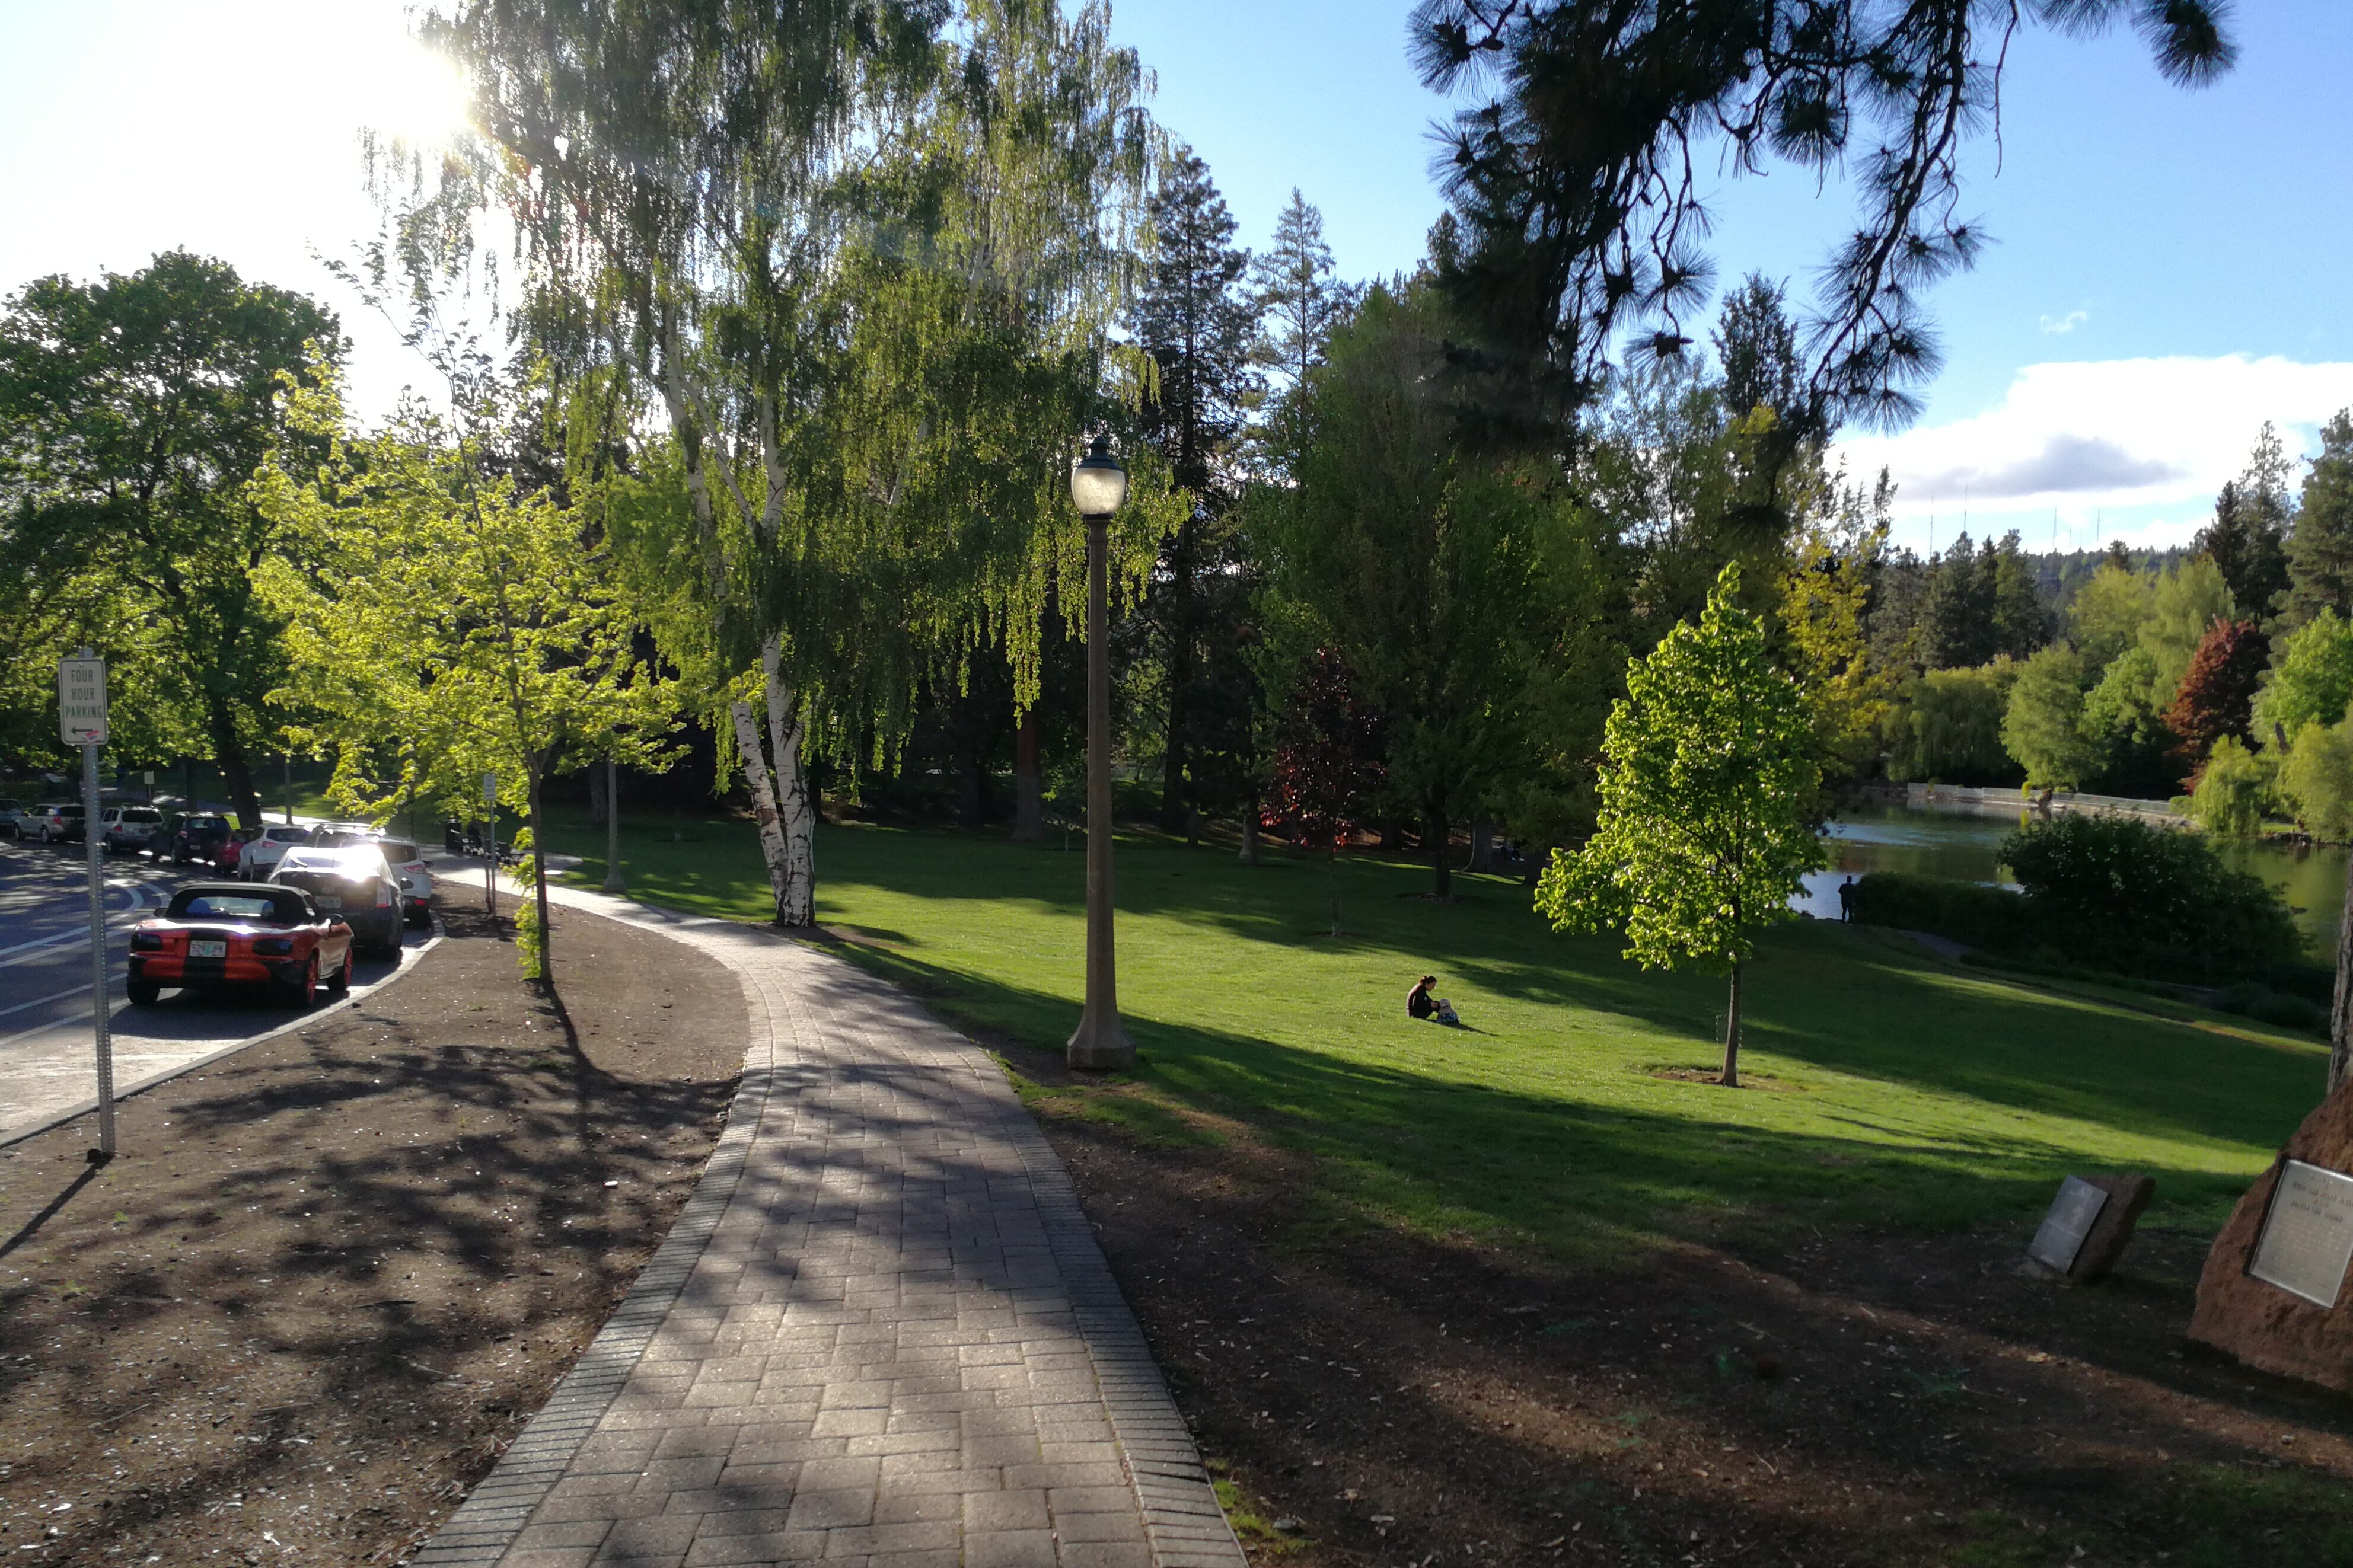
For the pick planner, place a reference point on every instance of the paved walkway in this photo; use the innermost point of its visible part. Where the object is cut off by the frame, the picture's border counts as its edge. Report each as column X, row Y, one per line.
column 881, row 1335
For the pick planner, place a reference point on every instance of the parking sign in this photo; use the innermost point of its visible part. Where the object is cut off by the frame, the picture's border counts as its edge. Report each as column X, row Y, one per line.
column 81, row 699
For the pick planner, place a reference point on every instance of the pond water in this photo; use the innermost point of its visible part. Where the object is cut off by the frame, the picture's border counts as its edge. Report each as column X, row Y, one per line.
column 1967, row 846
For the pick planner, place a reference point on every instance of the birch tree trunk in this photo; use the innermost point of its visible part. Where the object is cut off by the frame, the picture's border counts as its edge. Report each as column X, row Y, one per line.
column 755, row 753
column 796, row 899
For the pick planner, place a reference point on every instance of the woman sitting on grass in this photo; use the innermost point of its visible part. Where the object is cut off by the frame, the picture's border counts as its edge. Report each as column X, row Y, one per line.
column 1421, row 1004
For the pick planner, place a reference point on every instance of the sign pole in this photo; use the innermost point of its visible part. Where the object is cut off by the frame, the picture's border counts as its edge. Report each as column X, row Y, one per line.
column 491, row 845
column 102, row 1011
column 81, row 722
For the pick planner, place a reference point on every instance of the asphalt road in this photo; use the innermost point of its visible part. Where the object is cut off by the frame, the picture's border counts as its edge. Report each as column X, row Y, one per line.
column 47, row 1062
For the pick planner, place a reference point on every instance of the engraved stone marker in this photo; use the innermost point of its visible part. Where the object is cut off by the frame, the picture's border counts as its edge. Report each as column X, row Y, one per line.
column 2307, row 1235
column 2054, row 1246
column 2273, row 1292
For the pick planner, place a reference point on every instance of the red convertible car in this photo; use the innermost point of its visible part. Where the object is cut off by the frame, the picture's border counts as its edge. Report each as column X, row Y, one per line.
column 234, row 933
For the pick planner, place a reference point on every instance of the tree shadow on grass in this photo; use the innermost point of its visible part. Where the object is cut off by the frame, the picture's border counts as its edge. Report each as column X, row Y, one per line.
column 1435, row 1151
column 1820, row 996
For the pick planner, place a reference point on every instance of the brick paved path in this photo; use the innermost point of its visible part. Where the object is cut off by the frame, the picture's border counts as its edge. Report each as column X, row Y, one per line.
column 880, row 1333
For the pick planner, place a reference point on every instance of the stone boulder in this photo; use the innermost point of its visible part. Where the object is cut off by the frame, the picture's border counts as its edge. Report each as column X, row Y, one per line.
column 2105, row 1242
column 2260, row 1323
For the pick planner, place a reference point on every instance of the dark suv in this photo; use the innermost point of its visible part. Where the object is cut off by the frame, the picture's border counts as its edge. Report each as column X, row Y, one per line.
column 353, row 885
column 193, row 835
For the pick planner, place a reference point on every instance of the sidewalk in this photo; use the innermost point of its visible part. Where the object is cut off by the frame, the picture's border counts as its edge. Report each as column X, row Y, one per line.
column 880, row 1333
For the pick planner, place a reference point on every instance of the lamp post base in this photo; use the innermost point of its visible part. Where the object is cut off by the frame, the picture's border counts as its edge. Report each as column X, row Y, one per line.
column 1098, row 1046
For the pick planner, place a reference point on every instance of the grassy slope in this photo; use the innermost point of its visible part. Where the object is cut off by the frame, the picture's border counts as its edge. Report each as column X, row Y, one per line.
column 1908, row 1092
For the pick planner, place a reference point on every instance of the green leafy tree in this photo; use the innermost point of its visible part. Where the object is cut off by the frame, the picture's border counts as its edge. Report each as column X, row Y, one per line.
column 2234, row 789
column 1405, row 558
column 1946, row 726
column 2108, row 613
column 455, row 621
column 2042, row 727
column 135, row 408
column 2310, row 680
column 2320, row 548
column 2187, row 602
column 2124, row 719
column 854, row 266
column 1707, row 783
column 2316, row 779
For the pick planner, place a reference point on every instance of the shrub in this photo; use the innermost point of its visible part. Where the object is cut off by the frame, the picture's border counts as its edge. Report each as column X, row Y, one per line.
column 1990, row 917
column 2112, row 893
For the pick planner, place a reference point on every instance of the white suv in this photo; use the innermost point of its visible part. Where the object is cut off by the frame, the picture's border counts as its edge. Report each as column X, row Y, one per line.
column 415, row 881
column 261, row 855
column 128, row 827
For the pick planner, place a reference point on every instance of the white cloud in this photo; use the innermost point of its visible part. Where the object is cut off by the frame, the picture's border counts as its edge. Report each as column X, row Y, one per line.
column 2066, row 323
column 2152, row 439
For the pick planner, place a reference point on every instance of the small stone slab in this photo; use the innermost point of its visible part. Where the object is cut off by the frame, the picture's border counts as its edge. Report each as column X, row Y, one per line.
column 2060, row 1235
column 2090, row 1224
column 2283, row 1254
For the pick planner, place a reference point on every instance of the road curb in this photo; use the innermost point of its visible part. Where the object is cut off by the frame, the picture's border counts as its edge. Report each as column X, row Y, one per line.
column 407, row 967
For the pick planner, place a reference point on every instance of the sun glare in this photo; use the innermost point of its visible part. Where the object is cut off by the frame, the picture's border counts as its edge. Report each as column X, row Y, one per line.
column 415, row 96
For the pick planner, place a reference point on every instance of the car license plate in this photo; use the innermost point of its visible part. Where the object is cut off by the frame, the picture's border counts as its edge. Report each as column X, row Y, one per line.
column 207, row 950
column 328, row 901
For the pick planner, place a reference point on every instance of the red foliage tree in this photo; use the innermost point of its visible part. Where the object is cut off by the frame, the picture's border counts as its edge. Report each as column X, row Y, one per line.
column 1326, row 762
column 2217, row 691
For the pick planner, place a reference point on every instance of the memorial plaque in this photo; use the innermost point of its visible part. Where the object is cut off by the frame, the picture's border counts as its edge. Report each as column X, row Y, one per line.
column 2307, row 1235
column 2063, row 1228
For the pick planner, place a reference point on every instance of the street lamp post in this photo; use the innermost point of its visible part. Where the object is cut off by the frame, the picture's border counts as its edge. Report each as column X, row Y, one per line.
column 1100, row 1044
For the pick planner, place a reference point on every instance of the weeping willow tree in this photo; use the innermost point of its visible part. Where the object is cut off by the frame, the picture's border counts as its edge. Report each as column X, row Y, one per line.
column 831, row 286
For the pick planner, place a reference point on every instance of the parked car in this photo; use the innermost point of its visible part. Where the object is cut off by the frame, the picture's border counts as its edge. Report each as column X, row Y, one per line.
column 415, row 881
column 12, row 818
column 128, row 827
column 56, row 821
column 193, row 835
column 262, row 853
column 226, row 933
column 341, row 834
column 354, row 884
column 229, row 854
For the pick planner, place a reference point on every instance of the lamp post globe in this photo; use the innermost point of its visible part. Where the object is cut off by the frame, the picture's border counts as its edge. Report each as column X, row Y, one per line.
column 1098, row 482
column 1100, row 1044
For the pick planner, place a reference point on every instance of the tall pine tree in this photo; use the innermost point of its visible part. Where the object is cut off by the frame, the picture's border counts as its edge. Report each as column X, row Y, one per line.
column 2248, row 538
column 2320, row 549
column 1199, row 325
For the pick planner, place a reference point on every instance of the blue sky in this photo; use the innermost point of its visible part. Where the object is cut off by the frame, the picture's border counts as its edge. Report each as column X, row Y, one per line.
column 2145, row 237
column 2165, row 276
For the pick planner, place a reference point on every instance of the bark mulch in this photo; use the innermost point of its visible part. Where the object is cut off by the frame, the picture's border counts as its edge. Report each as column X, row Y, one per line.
column 328, row 1278
column 1858, row 1399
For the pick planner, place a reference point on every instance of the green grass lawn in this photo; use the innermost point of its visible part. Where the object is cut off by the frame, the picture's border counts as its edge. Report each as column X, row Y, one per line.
column 1894, row 1090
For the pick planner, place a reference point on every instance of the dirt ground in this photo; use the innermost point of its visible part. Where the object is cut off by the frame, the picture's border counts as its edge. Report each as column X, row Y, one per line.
column 1857, row 1399
column 328, row 1278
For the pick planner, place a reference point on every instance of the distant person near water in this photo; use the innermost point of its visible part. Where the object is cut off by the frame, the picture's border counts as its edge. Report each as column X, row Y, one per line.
column 1421, row 1004
column 1846, row 900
